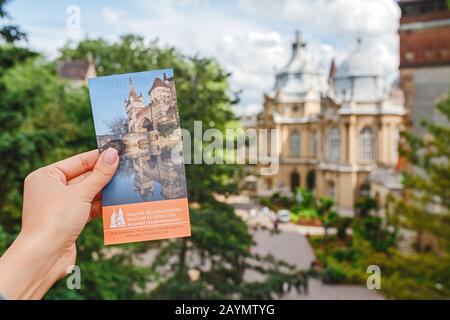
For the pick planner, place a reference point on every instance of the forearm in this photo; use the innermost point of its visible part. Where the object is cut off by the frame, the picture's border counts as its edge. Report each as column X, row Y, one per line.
column 25, row 269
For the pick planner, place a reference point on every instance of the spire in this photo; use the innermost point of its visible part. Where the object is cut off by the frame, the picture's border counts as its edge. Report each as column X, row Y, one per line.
column 358, row 43
column 132, row 91
column 298, row 42
column 332, row 71
column 298, row 60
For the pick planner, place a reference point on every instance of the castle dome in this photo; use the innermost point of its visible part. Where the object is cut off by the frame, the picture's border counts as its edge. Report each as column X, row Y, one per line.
column 360, row 78
column 299, row 77
column 359, row 64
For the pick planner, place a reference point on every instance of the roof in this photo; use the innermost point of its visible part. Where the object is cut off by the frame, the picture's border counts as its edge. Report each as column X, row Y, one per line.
column 299, row 77
column 74, row 69
column 158, row 83
column 360, row 78
column 359, row 63
column 299, row 60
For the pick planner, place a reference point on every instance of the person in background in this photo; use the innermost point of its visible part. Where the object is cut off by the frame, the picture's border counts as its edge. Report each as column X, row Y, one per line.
column 58, row 201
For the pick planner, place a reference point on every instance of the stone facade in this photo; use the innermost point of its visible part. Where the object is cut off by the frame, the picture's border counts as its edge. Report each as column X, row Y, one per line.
column 335, row 128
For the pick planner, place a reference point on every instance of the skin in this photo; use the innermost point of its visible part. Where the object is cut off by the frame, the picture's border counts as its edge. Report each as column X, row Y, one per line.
column 59, row 200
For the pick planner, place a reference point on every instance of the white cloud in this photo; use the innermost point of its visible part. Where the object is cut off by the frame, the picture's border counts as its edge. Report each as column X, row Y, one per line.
column 252, row 38
column 112, row 16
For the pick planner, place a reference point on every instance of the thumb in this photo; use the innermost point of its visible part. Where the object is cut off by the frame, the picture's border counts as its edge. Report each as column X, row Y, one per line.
column 102, row 173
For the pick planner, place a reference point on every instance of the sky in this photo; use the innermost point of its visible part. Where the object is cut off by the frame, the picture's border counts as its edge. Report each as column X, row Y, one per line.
column 250, row 39
column 108, row 94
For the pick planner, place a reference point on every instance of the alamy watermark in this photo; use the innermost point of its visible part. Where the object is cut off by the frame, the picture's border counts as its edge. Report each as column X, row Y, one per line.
column 374, row 280
column 234, row 146
column 73, row 281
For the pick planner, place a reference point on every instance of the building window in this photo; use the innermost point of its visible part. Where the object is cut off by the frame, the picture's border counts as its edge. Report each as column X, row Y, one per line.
column 394, row 145
column 410, row 56
column 364, row 190
column 269, row 184
column 311, row 180
column 331, row 190
column 314, row 144
column 367, row 144
column 295, row 108
column 295, row 181
column 295, row 143
column 334, row 145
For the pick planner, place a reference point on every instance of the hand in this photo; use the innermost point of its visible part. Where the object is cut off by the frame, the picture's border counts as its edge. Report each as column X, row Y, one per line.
column 59, row 200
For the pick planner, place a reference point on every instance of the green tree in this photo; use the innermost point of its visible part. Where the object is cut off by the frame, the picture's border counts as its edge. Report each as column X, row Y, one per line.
column 364, row 205
column 424, row 209
column 8, row 32
column 327, row 215
column 427, row 185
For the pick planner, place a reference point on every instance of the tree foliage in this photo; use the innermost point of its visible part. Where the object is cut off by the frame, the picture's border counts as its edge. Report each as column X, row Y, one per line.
column 424, row 209
column 427, row 185
column 8, row 32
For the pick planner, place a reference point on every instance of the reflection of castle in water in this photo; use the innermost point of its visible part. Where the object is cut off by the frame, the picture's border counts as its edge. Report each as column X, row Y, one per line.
column 150, row 163
column 152, row 169
column 146, row 149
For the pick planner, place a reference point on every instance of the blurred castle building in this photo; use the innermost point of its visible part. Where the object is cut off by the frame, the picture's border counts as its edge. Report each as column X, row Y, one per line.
column 77, row 72
column 338, row 131
column 424, row 58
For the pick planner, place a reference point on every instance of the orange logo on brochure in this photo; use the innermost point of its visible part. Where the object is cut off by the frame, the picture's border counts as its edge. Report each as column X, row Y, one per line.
column 146, row 221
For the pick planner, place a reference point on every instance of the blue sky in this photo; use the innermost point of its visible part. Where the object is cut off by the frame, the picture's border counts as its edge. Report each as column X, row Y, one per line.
column 251, row 39
column 108, row 94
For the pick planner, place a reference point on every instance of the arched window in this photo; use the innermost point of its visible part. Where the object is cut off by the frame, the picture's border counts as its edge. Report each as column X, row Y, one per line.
column 367, row 144
column 295, row 181
column 311, row 180
column 334, row 145
column 147, row 125
column 364, row 190
column 295, row 143
column 314, row 144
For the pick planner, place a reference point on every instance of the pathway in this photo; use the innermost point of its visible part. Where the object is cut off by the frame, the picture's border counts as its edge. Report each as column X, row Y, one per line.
column 292, row 246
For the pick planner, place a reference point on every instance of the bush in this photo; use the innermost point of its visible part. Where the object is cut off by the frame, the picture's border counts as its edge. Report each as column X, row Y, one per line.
column 334, row 273
column 349, row 254
column 364, row 205
column 372, row 230
column 342, row 225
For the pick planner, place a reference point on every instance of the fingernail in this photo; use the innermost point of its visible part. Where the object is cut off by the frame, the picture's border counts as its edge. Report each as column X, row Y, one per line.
column 109, row 155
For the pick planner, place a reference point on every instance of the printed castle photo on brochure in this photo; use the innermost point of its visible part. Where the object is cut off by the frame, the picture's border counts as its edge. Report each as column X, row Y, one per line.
column 137, row 113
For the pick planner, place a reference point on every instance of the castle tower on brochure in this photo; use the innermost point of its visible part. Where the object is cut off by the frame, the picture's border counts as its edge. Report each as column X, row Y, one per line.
column 133, row 105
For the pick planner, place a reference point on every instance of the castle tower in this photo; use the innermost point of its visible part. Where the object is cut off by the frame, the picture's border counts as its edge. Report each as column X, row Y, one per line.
column 133, row 105
column 162, row 97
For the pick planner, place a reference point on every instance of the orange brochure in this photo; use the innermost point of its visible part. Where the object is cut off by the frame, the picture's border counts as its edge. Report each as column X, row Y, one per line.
column 137, row 113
